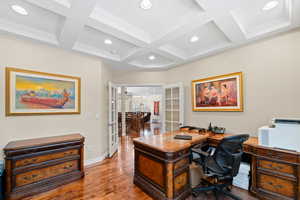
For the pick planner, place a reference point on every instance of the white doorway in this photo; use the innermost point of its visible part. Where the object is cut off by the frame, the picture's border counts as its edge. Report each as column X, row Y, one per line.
column 112, row 120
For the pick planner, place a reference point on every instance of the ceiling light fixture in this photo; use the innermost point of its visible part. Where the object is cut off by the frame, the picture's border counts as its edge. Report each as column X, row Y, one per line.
column 270, row 5
column 19, row 9
column 146, row 4
column 152, row 57
column 107, row 41
column 194, row 38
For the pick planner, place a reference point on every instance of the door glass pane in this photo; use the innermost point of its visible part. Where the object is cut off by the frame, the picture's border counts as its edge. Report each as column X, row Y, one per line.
column 112, row 115
column 175, row 126
column 169, row 115
column 175, row 93
column 176, row 116
column 168, row 126
column 176, row 104
column 168, row 93
column 168, row 104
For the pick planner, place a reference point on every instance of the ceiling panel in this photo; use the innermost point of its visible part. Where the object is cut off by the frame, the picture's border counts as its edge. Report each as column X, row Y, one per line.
column 37, row 18
column 254, row 20
column 159, row 19
column 144, row 61
column 96, row 38
column 209, row 37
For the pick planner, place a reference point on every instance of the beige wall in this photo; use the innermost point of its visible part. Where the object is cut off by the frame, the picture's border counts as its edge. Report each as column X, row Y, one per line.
column 94, row 76
column 271, row 78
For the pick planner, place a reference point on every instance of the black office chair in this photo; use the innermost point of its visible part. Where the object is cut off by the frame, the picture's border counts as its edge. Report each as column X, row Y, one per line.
column 220, row 164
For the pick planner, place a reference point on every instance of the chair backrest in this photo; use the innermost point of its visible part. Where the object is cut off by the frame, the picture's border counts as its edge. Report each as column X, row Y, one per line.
column 229, row 153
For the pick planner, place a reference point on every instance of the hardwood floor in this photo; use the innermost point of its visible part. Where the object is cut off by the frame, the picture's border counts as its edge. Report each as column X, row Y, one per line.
column 112, row 179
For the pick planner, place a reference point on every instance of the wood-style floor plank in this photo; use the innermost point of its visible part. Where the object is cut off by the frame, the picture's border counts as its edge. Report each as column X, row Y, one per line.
column 112, row 179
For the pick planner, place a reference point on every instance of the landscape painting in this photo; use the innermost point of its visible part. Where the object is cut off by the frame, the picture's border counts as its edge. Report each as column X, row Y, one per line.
column 33, row 93
column 220, row 93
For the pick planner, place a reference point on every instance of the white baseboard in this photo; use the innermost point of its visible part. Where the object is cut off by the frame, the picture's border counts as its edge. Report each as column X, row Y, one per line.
column 95, row 160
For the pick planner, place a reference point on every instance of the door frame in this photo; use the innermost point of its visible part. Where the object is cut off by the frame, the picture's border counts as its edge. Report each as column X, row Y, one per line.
column 181, row 104
column 112, row 150
column 143, row 85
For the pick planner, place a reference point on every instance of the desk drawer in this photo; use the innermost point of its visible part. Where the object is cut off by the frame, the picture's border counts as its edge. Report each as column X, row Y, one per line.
column 47, row 157
column 276, row 167
column 40, row 174
column 278, row 155
column 276, row 185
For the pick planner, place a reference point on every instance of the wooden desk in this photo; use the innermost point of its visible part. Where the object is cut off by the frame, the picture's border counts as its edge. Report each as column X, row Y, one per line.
column 275, row 173
column 162, row 165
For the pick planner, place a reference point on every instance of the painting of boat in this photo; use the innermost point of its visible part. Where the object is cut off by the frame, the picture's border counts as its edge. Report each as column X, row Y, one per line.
column 42, row 93
column 46, row 101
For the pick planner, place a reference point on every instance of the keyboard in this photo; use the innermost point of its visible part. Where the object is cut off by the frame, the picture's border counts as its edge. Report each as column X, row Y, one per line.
column 183, row 137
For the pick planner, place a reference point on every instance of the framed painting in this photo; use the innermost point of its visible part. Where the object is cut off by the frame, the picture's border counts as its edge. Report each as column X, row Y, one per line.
column 38, row 93
column 219, row 93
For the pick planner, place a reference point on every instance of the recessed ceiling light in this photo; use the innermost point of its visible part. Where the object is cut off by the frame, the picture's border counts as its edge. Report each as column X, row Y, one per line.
column 152, row 57
column 19, row 9
column 270, row 5
column 194, row 38
column 107, row 41
column 146, row 4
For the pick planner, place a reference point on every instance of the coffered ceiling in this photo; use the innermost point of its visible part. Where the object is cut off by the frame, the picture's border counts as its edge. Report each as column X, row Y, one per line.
column 170, row 33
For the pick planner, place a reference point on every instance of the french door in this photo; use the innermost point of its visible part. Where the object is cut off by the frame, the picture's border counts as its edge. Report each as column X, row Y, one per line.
column 173, row 106
column 113, row 119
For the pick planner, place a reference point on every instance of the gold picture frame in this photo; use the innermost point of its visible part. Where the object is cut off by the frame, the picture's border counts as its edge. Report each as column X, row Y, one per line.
column 38, row 93
column 218, row 93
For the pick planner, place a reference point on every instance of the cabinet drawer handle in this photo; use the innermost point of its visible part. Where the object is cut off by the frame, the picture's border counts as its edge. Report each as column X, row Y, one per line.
column 67, row 167
column 279, row 186
column 270, row 183
column 34, row 175
column 34, row 160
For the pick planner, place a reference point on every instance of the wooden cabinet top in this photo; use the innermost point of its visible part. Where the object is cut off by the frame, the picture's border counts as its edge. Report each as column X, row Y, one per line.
column 21, row 144
column 166, row 142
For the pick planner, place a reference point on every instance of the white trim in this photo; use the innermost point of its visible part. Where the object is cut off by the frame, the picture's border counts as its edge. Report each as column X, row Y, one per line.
column 95, row 160
column 140, row 85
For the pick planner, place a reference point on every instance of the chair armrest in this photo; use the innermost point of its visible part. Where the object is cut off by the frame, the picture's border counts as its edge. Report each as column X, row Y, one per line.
column 199, row 151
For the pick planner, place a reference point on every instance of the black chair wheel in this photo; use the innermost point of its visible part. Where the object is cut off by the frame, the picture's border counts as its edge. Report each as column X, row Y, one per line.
column 195, row 194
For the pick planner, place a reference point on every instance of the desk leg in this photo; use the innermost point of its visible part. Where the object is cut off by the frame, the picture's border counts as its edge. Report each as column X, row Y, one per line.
column 169, row 180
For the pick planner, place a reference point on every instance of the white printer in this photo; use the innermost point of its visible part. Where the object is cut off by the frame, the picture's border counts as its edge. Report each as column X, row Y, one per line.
column 284, row 134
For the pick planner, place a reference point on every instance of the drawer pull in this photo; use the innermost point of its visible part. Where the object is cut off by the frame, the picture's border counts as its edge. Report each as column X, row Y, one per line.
column 275, row 168
column 34, row 175
column 270, row 183
column 68, row 167
column 34, row 160
column 279, row 186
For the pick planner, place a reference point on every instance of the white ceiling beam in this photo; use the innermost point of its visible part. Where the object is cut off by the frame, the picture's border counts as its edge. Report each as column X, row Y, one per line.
column 116, row 32
column 134, row 54
column 52, row 6
column 75, row 21
column 168, row 54
column 223, row 19
column 295, row 7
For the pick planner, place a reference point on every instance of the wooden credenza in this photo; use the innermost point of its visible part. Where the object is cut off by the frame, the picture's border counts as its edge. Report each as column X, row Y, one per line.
column 275, row 173
column 38, row 165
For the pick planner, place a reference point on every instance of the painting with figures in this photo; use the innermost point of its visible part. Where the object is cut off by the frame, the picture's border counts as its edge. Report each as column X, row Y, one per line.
column 220, row 93
column 30, row 93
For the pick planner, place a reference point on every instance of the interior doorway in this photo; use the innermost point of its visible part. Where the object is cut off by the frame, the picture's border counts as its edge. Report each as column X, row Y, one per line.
column 140, row 109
